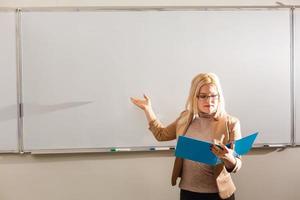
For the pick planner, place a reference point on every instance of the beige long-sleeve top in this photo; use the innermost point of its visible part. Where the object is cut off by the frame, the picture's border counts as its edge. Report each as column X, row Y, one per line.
column 223, row 179
column 199, row 177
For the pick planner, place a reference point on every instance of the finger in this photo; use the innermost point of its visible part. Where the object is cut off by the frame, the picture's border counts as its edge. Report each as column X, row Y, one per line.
column 146, row 97
column 133, row 99
column 216, row 152
column 221, row 149
column 217, row 145
column 216, row 149
column 224, row 147
column 214, row 146
column 216, row 141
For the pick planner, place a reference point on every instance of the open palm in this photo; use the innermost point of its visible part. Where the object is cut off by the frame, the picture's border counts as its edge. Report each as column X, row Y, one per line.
column 142, row 103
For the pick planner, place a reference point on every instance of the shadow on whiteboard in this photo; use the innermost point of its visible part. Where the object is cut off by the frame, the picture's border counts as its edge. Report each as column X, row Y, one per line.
column 35, row 109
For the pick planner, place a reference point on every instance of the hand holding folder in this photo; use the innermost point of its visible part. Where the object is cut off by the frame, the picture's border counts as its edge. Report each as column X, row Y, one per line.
column 199, row 151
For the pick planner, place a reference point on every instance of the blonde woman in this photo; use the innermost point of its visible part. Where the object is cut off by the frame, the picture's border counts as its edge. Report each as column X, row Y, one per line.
column 205, row 118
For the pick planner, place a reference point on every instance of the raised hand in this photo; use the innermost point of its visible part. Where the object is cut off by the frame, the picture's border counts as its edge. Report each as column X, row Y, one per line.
column 144, row 104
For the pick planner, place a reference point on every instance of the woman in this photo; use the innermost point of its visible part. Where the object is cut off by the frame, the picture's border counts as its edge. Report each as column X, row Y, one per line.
column 205, row 118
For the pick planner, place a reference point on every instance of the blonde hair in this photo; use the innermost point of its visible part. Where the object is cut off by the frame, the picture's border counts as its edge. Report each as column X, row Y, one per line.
column 192, row 101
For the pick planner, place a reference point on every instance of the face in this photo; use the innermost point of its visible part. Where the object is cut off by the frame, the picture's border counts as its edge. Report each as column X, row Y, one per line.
column 208, row 99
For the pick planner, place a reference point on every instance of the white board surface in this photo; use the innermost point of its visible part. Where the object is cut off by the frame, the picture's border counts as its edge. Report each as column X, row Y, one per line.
column 8, row 83
column 80, row 68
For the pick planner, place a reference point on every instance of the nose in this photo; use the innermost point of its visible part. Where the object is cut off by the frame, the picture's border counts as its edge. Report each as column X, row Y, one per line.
column 209, row 99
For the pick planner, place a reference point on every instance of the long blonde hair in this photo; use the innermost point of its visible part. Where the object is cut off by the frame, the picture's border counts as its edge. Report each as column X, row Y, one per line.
column 192, row 101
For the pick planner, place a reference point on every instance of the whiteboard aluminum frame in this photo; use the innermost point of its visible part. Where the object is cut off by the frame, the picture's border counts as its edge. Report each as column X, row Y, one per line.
column 293, row 82
column 295, row 143
column 19, row 80
column 141, row 9
column 151, row 8
column 132, row 149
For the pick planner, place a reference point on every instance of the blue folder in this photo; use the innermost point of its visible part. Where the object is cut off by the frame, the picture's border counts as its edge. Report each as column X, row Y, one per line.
column 199, row 151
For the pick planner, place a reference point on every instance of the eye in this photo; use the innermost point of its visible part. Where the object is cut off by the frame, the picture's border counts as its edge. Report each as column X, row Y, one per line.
column 202, row 96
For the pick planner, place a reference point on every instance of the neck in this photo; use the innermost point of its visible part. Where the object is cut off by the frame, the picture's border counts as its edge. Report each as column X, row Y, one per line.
column 206, row 115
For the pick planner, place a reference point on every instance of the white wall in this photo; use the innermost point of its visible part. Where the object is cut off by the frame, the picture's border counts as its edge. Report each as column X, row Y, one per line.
column 266, row 174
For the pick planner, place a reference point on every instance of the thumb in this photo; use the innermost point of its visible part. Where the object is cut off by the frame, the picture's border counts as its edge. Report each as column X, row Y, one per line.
column 146, row 97
column 216, row 141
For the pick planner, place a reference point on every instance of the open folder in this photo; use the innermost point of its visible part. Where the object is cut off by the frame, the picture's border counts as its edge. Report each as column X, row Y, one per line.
column 199, row 151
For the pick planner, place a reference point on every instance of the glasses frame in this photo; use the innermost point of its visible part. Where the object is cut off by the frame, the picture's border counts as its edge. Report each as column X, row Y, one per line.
column 205, row 97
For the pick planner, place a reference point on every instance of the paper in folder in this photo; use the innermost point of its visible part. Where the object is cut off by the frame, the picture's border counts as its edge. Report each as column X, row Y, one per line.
column 199, row 151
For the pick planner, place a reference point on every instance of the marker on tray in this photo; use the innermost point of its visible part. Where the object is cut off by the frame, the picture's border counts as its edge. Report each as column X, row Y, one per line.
column 119, row 149
column 161, row 148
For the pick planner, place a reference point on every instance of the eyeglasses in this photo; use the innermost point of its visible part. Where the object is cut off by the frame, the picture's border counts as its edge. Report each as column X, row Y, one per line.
column 204, row 97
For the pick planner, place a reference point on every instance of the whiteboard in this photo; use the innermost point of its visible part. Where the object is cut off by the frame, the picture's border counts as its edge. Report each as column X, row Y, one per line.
column 8, row 83
column 297, row 75
column 81, row 68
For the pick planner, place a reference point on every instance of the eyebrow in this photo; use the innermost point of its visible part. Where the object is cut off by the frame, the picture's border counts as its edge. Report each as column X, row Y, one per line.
column 208, row 93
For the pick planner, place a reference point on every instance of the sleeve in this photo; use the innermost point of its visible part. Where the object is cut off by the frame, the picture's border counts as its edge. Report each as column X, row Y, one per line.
column 162, row 133
column 167, row 133
column 235, row 134
column 235, row 129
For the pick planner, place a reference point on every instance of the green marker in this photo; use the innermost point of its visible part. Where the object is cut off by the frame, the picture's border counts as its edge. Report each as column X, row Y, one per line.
column 119, row 149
